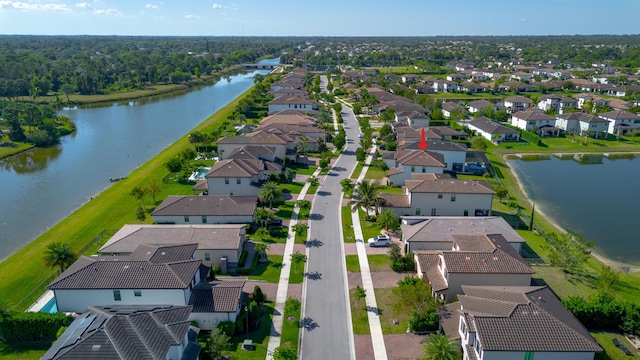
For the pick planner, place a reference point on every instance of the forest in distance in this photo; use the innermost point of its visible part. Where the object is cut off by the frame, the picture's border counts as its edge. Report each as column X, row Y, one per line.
column 32, row 66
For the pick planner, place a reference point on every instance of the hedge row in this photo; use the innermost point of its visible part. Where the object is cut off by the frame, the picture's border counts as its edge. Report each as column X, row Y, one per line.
column 527, row 135
column 32, row 327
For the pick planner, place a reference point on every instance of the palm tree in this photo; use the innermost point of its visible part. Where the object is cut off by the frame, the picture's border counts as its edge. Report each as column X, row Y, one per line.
column 440, row 347
column 387, row 219
column 262, row 216
column 195, row 138
column 270, row 192
column 366, row 196
column 59, row 254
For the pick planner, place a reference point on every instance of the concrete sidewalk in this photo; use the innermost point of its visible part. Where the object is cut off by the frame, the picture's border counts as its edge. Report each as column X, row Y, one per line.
column 377, row 338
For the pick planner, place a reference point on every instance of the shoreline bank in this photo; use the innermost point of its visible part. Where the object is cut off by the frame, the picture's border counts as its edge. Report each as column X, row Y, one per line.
column 615, row 264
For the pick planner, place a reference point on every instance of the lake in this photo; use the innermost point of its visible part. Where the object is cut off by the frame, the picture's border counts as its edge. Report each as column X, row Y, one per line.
column 592, row 195
column 40, row 187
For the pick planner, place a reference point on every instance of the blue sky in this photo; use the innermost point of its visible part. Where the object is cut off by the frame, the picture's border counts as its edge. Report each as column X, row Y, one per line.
column 324, row 18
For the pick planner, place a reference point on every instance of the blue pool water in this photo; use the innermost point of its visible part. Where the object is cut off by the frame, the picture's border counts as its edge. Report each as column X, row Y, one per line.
column 50, row 307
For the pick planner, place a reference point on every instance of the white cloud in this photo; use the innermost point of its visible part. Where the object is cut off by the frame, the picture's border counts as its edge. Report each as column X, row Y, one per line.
column 216, row 6
column 192, row 17
column 151, row 6
column 108, row 12
column 84, row 5
column 33, row 7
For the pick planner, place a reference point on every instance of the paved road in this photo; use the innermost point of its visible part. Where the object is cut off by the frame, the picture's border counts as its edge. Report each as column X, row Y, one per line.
column 327, row 330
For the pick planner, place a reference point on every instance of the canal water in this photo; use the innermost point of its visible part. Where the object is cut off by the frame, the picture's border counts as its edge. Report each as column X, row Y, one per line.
column 40, row 187
column 592, row 195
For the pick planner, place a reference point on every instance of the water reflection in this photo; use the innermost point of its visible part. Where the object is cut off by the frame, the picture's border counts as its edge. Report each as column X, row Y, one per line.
column 31, row 160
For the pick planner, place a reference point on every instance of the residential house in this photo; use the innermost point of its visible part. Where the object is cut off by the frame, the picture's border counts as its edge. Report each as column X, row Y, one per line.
column 290, row 92
column 239, row 177
column 447, row 133
column 228, row 144
column 516, row 86
column 582, row 124
column 211, row 209
column 254, row 152
column 410, row 78
column 291, row 117
column 424, row 88
column 436, row 232
column 408, row 162
column 472, row 87
column 478, row 259
column 556, row 103
column 128, row 332
column 441, row 196
column 445, row 86
column 287, row 84
column 522, row 76
column 450, row 107
column 535, row 121
column 413, row 118
column 406, row 135
column 291, row 103
column 455, row 77
column 455, row 154
column 620, row 122
column 493, row 130
column 595, row 100
column 479, row 105
column 516, row 103
column 515, row 322
column 214, row 242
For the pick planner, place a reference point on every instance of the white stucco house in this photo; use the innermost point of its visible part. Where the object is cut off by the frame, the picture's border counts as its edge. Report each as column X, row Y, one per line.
column 493, row 130
column 227, row 145
column 483, row 259
column 206, row 209
column 515, row 322
column 408, row 162
column 440, row 195
column 454, row 153
column 517, row 103
column 291, row 103
column 536, row 122
column 238, row 177
column 582, row 124
column 620, row 122
column 213, row 242
column 557, row 103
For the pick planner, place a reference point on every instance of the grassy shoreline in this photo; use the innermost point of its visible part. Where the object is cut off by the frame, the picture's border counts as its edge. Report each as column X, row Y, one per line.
column 111, row 209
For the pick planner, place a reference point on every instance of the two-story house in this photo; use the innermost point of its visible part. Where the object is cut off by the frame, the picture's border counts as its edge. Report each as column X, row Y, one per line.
column 515, row 322
column 620, row 122
column 454, row 153
column 493, row 130
column 557, row 103
column 210, row 209
column 408, row 162
column 237, row 177
column 291, row 103
column 517, row 103
column 536, row 122
column 582, row 124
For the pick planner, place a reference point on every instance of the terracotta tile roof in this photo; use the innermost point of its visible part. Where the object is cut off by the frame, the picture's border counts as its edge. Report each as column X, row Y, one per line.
column 124, row 332
column 524, row 319
column 205, row 236
column 494, row 262
column 207, row 205
column 216, row 296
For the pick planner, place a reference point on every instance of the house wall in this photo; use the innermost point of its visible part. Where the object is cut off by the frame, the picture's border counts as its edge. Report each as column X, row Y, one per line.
column 614, row 122
column 569, row 126
column 217, row 186
column 79, row 300
column 597, row 128
column 445, row 207
column 208, row 321
column 510, row 355
column 456, row 280
column 175, row 351
column 233, row 255
column 400, row 178
column 418, row 122
column 452, row 157
column 429, row 245
column 282, row 107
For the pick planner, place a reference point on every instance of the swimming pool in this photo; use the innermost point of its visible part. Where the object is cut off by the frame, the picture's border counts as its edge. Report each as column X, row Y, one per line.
column 50, row 306
column 200, row 174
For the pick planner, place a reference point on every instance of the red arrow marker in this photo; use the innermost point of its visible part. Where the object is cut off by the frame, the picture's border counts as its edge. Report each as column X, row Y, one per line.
column 423, row 142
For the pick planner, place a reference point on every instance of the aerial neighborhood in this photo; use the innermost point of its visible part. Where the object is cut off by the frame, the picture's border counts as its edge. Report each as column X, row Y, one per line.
column 341, row 194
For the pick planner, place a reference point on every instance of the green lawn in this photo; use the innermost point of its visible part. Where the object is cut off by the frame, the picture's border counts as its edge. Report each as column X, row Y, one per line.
column 268, row 271
column 384, row 189
column 8, row 352
column 379, row 262
column 359, row 316
column 369, row 228
column 375, row 173
column 302, row 170
column 297, row 273
column 347, row 224
column 353, row 264
column 12, row 148
column 293, row 188
column 291, row 329
column 612, row 352
column 385, row 299
column 260, row 338
column 357, row 170
column 285, row 209
column 301, row 237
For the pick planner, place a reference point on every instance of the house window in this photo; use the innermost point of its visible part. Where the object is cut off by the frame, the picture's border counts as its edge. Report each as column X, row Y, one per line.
column 424, row 169
column 439, row 196
column 116, row 295
column 204, row 219
column 238, row 181
column 186, row 218
column 528, row 355
column 453, row 197
column 477, row 347
column 464, row 327
column 207, row 257
column 413, row 169
column 137, row 293
column 226, row 181
column 433, row 212
column 417, row 211
column 466, row 213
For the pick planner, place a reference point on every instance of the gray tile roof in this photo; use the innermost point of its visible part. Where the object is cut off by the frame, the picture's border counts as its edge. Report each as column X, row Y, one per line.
column 619, row 114
column 207, row 205
column 251, row 152
column 419, row 158
column 236, row 168
column 533, row 115
column 450, row 186
column 288, row 117
column 494, row 262
column 524, row 319
column 479, row 104
column 163, row 254
column 217, row 296
column 256, row 140
column 492, row 127
column 205, row 236
column 442, row 228
column 124, row 332
column 110, row 272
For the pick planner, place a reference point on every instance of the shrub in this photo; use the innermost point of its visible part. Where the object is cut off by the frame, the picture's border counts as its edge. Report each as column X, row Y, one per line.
column 227, row 327
column 292, row 305
column 360, row 154
column 243, row 258
column 424, row 322
column 30, row 326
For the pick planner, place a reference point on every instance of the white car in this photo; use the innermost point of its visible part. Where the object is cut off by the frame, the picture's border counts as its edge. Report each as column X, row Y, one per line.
column 380, row 240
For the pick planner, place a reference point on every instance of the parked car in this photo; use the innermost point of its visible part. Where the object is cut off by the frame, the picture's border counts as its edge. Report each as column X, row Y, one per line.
column 274, row 222
column 380, row 240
